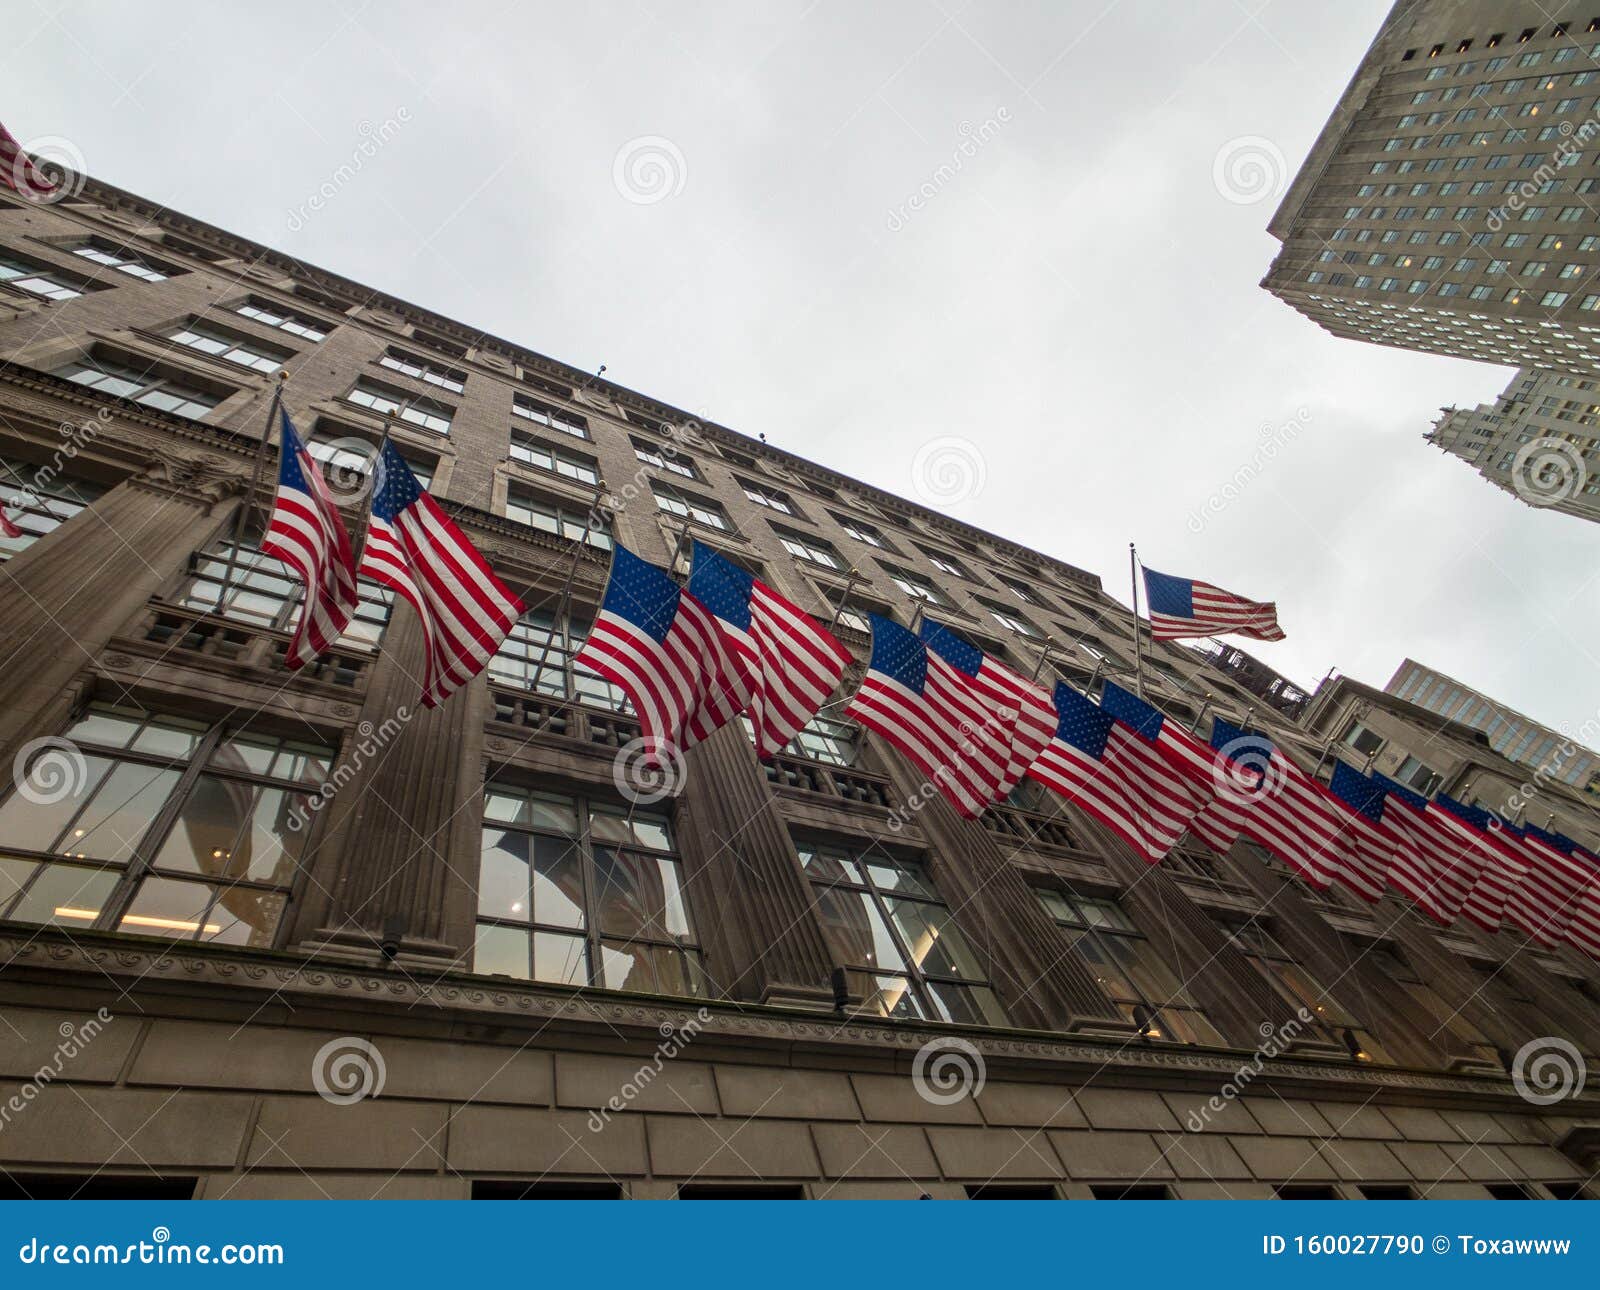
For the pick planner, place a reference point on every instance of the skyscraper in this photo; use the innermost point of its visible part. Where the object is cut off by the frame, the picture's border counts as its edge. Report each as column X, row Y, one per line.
column 1540, row 440
column 1448, row 203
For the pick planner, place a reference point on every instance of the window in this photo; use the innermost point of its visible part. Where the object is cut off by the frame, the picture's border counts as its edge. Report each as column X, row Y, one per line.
column 826, row 739
column 445, row 378
column 902, row 949
column 517, row 1189
column 270, row 315
column 1132, row 1191
column 151, row 387
column 861, row 532
column 1305, row 1191
column 1393, row 964
column 687, row 507
column 37, row 505
column 944, row 563
column 1297, row 988
column 667, row 458
column 537, row 655
column 264, row 592
column 558, row 461
column 236, row 349
column 1364, row 741
column 391, row 403
column 771, row 498
column 1133, row 977
column 582, row 893
column 1414, row 774
column 916, row 586
column 1009, row 620
column 526, row 507
column 36, row 281
column 546, row 415
column 346, row 458
column 804, row 547
column 122, row 261
column 178, row 830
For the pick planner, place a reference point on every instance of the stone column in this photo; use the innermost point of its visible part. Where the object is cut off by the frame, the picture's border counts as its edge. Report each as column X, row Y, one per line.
column 1041, row 982
column 63, row 598
column 753, row 902
column 397, row 862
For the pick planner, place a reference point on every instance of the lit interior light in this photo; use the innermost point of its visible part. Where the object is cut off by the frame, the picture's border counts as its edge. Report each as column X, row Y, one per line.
column 139, row 920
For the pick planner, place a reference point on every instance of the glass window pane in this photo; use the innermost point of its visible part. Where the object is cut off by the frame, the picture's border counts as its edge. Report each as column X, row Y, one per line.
column 891, row 875
column 562, row 959
column 501, row 951
column 678, row 971
column 503, row 875
column 37, row 826
column 245, row 753
column 628, row 967
column 1105, row 970
column 859, row 935
column 933, row 940
column 167, row 907
column 112, row 727
column 971, row 1005
column 13, row 875
column 66, row 895
column 645, row 830
column 231, row 829
column 887, row 996
column 827, row 866
column 632, row 894
column 1149, row 975
column 244, row 916
column 557, row 882
column 170, row 737
column 123, row 808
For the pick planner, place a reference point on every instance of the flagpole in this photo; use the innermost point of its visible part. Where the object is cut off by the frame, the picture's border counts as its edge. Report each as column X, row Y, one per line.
column 249, row 502
column 564, row 601
column 1204, row 708
column 850, row 581
column 1138, row 647
column 1326, row 749
column 1048, row 645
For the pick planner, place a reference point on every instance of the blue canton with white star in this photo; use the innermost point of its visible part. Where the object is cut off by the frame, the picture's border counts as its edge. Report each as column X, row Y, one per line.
column 898, row 654
column 641, row 593
column 961, row 655
column 1080, row 723
column 721, row 586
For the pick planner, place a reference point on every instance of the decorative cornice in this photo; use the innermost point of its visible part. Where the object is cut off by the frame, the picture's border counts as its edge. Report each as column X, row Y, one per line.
column 127, row 962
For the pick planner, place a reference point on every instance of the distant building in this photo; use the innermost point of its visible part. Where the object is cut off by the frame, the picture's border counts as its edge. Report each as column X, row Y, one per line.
column 1448, row 204
column 1540, row 440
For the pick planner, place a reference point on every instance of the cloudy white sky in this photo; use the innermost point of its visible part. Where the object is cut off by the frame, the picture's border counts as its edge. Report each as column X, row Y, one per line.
column 1078, row 299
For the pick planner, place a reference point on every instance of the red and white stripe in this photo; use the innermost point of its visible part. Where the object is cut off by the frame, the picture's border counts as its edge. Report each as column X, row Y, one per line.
column 944, row 730
column 465, row 611
column 683, row 687
column 1556, row 902
column 1131, row 789
column 1023, row 706
column 17, row 171
column 1436, row 864
column 793, row 665
column 1215, row 611
column 1504, row 868
column 307, row 534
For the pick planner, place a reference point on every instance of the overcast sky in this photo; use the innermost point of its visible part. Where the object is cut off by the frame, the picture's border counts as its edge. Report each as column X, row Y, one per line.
column 717, row 202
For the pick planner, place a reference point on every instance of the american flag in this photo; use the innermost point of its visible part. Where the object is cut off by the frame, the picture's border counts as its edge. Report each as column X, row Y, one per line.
column 1503, row 867
column 793, row 663
column 1559, row 900
column 306, row 533
column 1220, row 820
column 1181, row 607
column 7, row 528
column 415, row 548
column 1291, row 814
column 1106, row 770
column 1438, row 863
column 668, row 653
column 17, row 171
column 918, row 702
column 1368, row 835
column 1016, row 704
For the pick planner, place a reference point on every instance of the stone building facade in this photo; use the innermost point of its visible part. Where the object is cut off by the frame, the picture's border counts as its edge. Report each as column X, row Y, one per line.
column 266, row 933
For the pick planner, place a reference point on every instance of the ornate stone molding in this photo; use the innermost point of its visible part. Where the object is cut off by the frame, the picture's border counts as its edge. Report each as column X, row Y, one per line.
column 127, row 963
